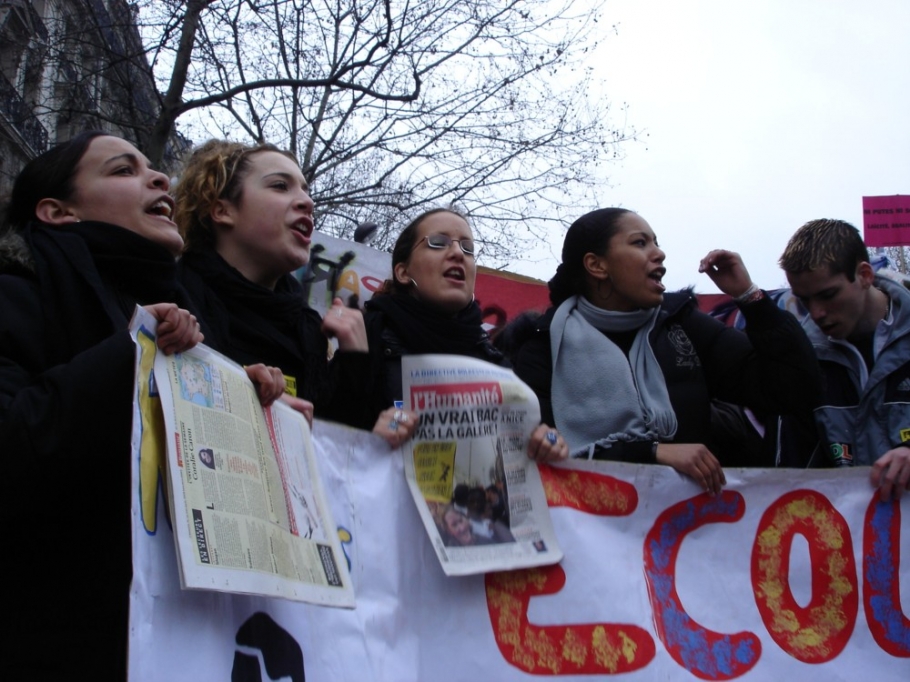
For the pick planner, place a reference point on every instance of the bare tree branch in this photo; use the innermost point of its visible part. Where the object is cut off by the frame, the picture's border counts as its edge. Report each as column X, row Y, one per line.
column 392, row 106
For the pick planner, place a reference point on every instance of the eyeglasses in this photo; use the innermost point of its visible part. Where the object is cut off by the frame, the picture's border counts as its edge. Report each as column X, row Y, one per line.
column 444, row 241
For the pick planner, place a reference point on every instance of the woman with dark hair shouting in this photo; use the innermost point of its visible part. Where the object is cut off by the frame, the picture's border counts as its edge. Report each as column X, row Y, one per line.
column 89, row 236
column 627, row 372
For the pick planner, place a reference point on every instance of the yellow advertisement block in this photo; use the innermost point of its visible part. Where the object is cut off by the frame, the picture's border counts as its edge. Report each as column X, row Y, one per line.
column 435, row 467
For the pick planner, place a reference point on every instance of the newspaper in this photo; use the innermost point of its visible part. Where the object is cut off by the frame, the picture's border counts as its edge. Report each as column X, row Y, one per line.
column 246, row 501
column 479, row 495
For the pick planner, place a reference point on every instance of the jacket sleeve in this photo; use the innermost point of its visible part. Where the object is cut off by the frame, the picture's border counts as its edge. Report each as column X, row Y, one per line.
column 41, row 413
column 771, row 368
column 533, row 364
column 349, row 384
column 357, row 381
column 45, row 410
column 634, row 452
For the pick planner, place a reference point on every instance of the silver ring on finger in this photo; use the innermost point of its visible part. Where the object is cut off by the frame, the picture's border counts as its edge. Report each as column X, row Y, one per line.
column 393, row 425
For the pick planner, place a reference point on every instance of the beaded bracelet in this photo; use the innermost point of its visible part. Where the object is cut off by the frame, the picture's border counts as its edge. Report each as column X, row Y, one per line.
column 751, row 295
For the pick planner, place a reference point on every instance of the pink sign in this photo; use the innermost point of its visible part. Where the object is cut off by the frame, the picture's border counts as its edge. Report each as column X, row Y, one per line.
column 886, row 220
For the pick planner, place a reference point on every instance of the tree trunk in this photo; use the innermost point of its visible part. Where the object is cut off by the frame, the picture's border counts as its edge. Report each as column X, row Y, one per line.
column 173, row 98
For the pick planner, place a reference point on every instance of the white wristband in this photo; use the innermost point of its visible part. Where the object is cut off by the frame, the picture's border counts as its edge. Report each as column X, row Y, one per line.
column 748, row 295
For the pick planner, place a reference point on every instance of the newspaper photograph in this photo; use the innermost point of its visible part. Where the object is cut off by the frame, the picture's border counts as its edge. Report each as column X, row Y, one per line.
column 246, row 502
column 478, row 493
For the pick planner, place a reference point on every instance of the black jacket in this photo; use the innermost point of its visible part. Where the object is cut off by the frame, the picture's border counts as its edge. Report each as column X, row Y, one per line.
column 251, row 324
column 771, row 370
column 66, row 383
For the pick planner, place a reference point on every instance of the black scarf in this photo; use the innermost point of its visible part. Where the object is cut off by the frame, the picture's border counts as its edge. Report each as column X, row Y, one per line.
column 259, row 324
column 91, row 275
column 422, row 328
column 281, row 305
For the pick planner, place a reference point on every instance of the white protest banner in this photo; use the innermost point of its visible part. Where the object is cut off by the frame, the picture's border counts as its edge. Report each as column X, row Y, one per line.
column 787, row 575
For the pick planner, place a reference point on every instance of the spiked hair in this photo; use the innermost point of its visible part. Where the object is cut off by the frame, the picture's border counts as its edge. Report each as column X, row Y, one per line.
column 825, row 242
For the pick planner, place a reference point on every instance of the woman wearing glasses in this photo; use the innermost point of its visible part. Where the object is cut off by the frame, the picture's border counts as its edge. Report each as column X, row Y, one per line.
column 428, row 307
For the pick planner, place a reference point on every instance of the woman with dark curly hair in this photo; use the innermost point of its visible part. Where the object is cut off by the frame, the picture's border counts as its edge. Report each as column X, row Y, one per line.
column 247, row 216
column 628, row 372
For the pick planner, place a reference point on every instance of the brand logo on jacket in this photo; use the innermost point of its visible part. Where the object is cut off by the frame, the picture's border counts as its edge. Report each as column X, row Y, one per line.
column 905, row 435
column 904, row 386
column 685, row 351
column 841, row 454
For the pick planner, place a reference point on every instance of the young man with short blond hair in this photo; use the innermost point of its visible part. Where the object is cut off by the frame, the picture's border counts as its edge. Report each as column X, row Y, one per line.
column 859, row 324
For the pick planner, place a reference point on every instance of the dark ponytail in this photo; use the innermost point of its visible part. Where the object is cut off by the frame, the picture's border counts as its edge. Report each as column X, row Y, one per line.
column 589, row 234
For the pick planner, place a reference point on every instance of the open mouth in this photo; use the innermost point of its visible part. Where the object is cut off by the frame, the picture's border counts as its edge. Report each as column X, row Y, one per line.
column 164, row 207
column 658, row 275
column 454, row 273
column 304, row 226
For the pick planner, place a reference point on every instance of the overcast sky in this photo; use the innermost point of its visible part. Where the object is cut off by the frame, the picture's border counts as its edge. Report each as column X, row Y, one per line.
column 759, row 115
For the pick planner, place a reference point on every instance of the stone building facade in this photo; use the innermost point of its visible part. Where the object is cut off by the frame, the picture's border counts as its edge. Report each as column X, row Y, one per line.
column 68, row 66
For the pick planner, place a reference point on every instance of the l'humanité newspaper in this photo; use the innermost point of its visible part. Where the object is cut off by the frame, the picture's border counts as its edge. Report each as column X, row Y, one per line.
column 478, row 493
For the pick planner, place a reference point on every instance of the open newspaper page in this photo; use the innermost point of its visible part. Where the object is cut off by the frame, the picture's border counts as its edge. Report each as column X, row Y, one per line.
column 479, row 495
column 246, row 501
